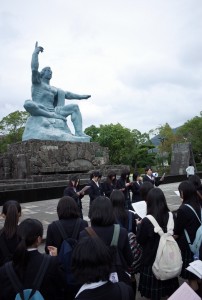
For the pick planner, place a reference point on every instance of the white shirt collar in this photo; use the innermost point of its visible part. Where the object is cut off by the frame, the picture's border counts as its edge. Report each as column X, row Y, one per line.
column 90, row 286
column 31, row 249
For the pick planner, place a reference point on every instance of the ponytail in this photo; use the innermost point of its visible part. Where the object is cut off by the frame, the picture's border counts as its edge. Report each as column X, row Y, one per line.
column 28, row 232
column 11, row 210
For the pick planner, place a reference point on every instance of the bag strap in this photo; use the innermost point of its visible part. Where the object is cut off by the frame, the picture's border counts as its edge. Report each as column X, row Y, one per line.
column 187, row 237
column 76, row 229
column 158, row 229
column 170, row 224
column 195, row 212
column 42, row 270
column 129, row 221
column 199, row 194
column 115, row 236
column 64, row 234
column 61, row 229
column 91, row 232
column 17, row 285
column 185, row 231
column 38, row 279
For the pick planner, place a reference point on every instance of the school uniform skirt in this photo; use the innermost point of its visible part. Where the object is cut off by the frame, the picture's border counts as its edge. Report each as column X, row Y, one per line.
column 155, row 289
column 187, row 258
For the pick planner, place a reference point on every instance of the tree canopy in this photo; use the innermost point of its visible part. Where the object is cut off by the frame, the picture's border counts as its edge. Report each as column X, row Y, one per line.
column 191, row 132
column 11, row 128
column 125, row 146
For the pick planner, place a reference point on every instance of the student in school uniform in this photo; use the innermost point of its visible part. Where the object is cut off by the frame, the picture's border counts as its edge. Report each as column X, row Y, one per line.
column 102, row 222
column 93, row 271
column 189, row 221
column 68, row 215
column 72, row 190
column 11, row 212
column 95, row 189
column 26, row 263
column 135, row 187
column 149, row 286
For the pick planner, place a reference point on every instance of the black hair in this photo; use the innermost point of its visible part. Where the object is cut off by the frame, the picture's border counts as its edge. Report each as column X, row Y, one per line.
column 118, row 202
column 189, row 194
column 144, row 189
column 148, row 168
column 157, row 206
column 195, row 179
column 67, row 208
column 12, row 211
column 95, row 174
column 28, row 231
column 73, row 178
column 125, row 174
column 135, row 176
column 101, row 212
column 110, row 176
column 91, row 260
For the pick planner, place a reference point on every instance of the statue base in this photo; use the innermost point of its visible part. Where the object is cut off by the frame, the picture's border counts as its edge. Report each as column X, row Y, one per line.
column 36, row 157
column 50, row 129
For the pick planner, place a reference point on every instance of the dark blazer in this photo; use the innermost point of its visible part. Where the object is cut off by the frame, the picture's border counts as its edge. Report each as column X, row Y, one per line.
column 106, row 234
column 7, row 248
column 108, row 188
column 154, row 180
column 135, row 188
column 70, row 191
column 121, row 184
column 186, row 219
column 94, row 190
column 107, row 291
column 52, row 284
column 53, row 236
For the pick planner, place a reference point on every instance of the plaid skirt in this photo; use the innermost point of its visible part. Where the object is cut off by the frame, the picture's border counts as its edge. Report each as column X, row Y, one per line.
column 155, row 289
column 187, row 258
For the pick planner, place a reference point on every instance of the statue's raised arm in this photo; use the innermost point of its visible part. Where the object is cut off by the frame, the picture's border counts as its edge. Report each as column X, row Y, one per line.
column 48, row 108
column 35, row 60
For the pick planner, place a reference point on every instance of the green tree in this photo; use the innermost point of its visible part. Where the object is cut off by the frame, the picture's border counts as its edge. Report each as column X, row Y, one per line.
column 141, row 152
column 191, row 132
column 11, row 128
column 93, row 131
column 125, row 146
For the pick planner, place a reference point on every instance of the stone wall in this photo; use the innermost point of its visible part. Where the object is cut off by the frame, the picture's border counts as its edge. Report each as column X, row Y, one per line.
column 35, row 157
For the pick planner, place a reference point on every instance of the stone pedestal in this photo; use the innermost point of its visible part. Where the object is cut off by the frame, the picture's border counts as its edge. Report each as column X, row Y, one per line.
column 182, row 156
column 36, row 157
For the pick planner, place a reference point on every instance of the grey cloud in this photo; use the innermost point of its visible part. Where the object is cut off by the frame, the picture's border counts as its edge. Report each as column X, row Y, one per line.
column 145, row 78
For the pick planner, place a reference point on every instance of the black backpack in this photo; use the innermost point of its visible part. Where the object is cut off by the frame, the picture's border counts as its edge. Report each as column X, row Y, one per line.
column 32, row 293
column 66, row 249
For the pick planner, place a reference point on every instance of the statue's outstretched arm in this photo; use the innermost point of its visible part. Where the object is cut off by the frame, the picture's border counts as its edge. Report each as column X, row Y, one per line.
column 69, row 95
column 35, row 60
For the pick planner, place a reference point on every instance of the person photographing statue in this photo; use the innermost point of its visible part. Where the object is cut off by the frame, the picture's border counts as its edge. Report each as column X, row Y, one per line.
column 49, row 102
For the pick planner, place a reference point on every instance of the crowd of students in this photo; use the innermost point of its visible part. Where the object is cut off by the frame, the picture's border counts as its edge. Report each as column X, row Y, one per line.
column 102, row 258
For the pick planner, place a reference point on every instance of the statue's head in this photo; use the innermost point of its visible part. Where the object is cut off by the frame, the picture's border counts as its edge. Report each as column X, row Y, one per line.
column 46, row 73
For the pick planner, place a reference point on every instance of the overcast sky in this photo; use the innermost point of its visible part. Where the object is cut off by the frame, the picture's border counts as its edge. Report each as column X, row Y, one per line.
column 141, row 60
